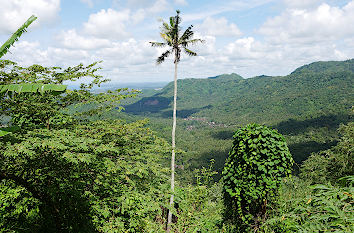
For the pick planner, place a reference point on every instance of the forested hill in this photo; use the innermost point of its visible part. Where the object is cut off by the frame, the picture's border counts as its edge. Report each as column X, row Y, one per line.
column 314, row 90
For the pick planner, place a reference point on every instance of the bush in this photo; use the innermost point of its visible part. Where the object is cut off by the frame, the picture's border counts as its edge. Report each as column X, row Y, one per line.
column 252, row 174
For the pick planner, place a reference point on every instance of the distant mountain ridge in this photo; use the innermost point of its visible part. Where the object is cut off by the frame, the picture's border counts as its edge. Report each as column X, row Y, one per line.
column 323, row 66
column 316, row 89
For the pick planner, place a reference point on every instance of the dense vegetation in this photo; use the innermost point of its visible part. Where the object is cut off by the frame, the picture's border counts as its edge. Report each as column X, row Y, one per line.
column 252, row 174
column 306, row 106
column 82, row 174
column 67, row 164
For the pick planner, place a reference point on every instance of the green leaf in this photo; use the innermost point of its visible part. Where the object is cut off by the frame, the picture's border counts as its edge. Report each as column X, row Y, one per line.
column 5, row 47
column 33, row 88
column 8, row 130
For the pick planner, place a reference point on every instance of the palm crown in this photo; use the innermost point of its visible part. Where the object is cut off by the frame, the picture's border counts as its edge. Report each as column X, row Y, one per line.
column 170, row 33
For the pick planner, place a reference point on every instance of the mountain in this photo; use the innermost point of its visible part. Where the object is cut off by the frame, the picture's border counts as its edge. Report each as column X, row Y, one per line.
column 314, row 90
column 306, row 106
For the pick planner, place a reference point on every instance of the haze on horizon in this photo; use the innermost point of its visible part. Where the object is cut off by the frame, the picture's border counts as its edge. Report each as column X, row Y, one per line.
column 250, row 38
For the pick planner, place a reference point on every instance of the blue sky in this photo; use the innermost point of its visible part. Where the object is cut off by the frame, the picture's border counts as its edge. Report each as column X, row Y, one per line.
column 248, row 37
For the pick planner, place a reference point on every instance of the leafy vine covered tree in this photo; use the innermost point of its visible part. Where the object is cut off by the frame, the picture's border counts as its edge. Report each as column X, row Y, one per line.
column 177, row 42
column 252, row 174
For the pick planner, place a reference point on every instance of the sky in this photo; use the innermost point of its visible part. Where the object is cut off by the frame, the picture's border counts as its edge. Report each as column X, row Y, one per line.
column 247, row 37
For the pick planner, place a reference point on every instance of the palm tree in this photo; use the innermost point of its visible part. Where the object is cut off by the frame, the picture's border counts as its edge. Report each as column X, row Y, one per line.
column 171, row 34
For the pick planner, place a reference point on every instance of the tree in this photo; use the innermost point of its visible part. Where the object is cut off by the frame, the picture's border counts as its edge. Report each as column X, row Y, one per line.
column 94, row 177
column 63, row 173
column 171, row 34
column 252, row 174
column 11, row 88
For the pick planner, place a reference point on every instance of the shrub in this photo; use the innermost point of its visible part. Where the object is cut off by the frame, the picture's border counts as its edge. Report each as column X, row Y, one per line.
column 252, row 174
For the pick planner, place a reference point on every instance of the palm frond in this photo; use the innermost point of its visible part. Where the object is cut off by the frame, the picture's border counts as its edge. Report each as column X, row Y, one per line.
column 165, row 28
column 157, row 44
column 167, row 38
column 178, row 18
column 163, row 56
column 187, row 35
column 175, row 28
column 170, row 34
column 190, row 52
column 172, row 22
column 6, row 46
column 193, row 42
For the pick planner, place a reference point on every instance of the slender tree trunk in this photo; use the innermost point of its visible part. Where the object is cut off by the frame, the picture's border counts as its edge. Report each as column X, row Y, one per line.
column 169, row 219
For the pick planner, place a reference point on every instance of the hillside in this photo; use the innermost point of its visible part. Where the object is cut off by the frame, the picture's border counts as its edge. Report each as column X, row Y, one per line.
column 310, row 91
column 306, row 106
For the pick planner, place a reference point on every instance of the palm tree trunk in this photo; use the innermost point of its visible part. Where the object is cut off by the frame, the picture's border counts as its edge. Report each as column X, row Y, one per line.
column 169, row 219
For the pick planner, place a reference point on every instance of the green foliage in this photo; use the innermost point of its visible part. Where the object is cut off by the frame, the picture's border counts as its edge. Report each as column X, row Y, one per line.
column 307, row 108
column 10, row 89
column 6, row 46
column 326, row 206
column 24, row 88
column 252, row 174
column 329, row 165
column 322, row 91
column 199, row 206
column 321, row 208
column 102, row 177
column 29, row 110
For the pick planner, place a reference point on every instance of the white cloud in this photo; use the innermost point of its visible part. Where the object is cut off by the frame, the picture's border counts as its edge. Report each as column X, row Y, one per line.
column 28, row 53
column 15, row 12
column 324, row 23
column 218, row 27
column 127, row 53
column 113, row 24
column 108, row 24
column 158, row 6
column 181, row 2
column 88, row 2
column 71, row 40
column 245, row 48
column 151, row 9
column 219, row 7
column 151, row 6
column 301, row 3
column 300, row 34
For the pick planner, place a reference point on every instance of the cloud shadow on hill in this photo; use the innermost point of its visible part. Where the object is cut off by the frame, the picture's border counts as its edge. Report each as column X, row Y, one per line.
column 301, row 151
column 157, row 106
column 295, row 127
column 153, row 104
column 183, row 113
column 224, row 134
